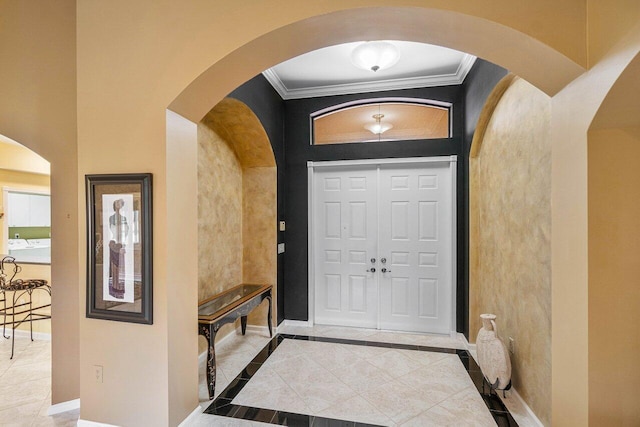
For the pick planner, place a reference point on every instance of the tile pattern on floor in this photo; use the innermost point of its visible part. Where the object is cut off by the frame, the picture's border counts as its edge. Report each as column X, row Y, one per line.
column 27, row 404
column 25, row 386
column 364, row 381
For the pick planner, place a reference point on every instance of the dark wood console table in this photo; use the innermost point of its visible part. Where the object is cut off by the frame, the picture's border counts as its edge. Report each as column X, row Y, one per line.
column 224, row 308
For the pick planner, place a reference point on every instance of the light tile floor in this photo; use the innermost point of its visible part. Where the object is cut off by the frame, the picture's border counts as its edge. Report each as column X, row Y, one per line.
column 367, row 384
column 25, row 386
column 306, row 389
column 25, row 381
column 518, row 411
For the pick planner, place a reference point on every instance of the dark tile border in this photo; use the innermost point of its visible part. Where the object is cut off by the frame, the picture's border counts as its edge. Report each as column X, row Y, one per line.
column 222, row 405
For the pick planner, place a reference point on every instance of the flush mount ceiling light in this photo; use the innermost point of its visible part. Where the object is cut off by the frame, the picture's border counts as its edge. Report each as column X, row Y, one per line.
column 375, row 56
column 378, row 128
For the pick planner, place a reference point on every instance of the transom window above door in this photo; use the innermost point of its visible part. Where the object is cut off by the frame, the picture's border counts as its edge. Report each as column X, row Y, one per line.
column 389, row 120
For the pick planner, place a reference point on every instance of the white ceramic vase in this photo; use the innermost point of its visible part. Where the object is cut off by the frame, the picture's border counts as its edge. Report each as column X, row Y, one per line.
column 493, row 356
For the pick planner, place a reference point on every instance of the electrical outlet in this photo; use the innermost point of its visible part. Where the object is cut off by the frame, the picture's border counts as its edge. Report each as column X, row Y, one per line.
column 98, row 372
column 512, row 345
column 17, row 235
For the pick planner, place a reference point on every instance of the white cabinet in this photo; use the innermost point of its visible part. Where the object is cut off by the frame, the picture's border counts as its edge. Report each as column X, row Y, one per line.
column 40, row 210
column 28, row 209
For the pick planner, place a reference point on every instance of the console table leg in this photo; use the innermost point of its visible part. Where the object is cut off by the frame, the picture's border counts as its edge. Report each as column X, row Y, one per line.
column 209, row 332
column 243, row 324
column 211, row 371
column 269, row 316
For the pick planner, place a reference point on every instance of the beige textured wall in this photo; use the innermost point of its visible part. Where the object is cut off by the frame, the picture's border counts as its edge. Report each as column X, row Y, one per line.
column 607, row 22
column 219, row 214
column 511, row 232
column 234, row 121
column 38, row 109
column 614, row 277
column 259, row 215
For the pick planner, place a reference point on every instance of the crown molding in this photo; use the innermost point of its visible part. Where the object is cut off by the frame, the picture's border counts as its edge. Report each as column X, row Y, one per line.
column 377, row 86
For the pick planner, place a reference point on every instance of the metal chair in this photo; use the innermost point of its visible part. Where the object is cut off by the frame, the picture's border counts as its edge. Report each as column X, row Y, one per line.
column 18, row 288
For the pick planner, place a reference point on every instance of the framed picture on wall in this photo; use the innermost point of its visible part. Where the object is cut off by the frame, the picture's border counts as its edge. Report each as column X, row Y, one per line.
column 119, row 247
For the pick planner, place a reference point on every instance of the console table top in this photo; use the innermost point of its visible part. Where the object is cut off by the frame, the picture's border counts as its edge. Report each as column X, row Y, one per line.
column 217, row 306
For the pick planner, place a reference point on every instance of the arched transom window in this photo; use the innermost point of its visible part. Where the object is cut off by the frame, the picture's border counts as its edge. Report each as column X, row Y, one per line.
column 381, row 121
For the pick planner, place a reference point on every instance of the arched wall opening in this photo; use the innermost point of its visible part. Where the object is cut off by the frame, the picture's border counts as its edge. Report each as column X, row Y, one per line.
column 318, row 32
column 525, row 56
column 614, row 245
column 237, row 205
column 175, row 304
column 24, row 172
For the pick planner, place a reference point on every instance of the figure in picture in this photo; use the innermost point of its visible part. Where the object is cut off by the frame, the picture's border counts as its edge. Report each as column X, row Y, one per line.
column 119, row 231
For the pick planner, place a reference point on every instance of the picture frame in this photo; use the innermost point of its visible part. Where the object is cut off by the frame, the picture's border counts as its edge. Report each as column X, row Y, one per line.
column 119, row 247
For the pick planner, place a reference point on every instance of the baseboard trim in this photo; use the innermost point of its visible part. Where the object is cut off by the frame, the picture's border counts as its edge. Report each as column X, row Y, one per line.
column 58, row 408
column 257, row 328
column 467, row 345
column 299, row 323
column 85, row 423
column 191, row 417
column 529, row 417
column 42, row 336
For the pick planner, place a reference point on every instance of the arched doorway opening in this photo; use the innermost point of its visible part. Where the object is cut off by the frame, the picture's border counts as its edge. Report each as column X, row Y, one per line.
column 550, row 70
column 192, row 102
column 25, row 237
column 614, row 236
column 237, row 211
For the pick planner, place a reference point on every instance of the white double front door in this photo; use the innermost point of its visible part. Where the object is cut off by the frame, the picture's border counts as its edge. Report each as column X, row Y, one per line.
column 382, row 244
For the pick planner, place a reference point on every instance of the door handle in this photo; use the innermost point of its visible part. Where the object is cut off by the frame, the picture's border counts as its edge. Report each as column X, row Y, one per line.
column 383, row 260
column 384, row 270
column 371, row 270
column 373, row 260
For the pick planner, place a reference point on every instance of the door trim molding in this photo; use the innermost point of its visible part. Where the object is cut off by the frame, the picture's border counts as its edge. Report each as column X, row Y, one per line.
column 312, row 166
column 399, row 161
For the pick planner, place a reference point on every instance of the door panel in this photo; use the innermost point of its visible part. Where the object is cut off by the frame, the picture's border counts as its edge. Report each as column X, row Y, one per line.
column 415, row 235
column 399, row 213
column 345, row 239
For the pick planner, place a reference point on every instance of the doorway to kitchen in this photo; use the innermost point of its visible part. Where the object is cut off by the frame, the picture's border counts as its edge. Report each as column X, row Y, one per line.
column 382, row 244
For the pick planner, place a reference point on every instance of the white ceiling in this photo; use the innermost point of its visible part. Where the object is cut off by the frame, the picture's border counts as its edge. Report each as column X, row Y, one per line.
column 329, row 71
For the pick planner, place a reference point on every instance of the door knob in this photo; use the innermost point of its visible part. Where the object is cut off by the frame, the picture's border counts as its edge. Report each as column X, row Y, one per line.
column 384, row 270
column 383, row 260
column 373, row 260
column 372, row 270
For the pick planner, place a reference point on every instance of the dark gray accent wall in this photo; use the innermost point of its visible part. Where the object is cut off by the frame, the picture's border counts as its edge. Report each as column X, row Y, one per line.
column 299, row 150
column 267, row 105
column 287, row 124
column 477, row 87
column 480, row 81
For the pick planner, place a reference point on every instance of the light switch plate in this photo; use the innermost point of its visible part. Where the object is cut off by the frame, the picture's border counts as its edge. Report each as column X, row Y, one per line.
column 280, row 248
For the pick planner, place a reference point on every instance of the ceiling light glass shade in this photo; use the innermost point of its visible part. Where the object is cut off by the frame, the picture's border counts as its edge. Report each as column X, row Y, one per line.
column 378, row 128
column 375, row 56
